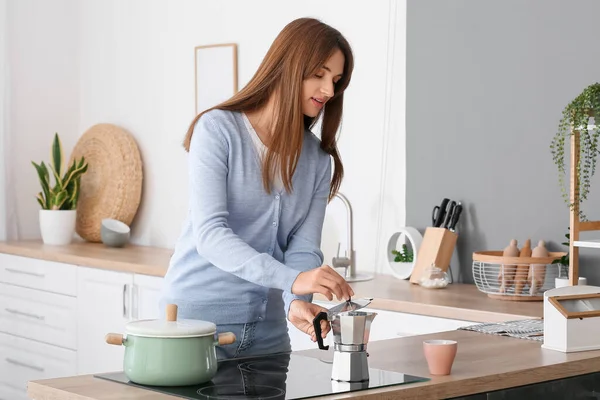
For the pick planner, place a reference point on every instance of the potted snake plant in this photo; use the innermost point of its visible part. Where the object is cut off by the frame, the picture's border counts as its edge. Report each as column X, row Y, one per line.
column 59, row 199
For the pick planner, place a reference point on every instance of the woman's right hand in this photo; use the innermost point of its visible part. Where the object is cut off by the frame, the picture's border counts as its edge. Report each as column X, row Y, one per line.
column 324, row 280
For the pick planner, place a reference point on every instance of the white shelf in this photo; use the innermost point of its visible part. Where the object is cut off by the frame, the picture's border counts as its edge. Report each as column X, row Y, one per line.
column 588, row 243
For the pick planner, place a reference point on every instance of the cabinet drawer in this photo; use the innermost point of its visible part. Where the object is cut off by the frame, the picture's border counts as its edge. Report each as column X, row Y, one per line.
column 23, row 360
column 38, row 274
column 46, row 317
column 10, row 393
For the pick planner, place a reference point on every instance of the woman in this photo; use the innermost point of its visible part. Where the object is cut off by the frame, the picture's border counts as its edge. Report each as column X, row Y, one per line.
column 249, row 255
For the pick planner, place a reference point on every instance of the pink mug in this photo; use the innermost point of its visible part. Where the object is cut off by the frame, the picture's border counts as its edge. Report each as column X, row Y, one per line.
column 440, row 355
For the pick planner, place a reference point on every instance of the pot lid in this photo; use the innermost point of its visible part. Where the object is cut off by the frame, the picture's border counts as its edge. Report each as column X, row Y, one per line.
column 171, row 327
column 162, row 328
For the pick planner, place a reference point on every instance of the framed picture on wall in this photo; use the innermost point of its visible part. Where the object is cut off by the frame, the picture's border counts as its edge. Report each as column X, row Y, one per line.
column 215, row 73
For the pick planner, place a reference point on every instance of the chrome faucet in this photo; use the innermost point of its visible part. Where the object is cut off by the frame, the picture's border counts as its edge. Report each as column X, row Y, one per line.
column 348, row 262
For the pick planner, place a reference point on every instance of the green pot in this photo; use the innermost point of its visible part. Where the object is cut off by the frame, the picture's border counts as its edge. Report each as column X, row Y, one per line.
column 171, row 352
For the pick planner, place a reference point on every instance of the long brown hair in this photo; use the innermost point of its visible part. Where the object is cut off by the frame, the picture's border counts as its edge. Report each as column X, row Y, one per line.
column 298, row 53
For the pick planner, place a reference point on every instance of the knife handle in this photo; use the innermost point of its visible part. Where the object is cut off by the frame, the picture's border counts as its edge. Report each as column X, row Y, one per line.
column 449, row 215
column 436, row 210
column 441, row 213
column 455, row 216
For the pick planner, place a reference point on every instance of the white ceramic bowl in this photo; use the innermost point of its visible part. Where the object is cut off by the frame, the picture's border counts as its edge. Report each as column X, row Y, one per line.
column 114, row 233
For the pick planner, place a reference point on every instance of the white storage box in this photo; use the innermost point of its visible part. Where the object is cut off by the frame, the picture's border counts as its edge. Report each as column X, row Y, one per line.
column 572, row 318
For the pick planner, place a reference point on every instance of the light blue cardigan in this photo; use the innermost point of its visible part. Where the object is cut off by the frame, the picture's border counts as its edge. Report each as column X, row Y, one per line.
column 241, row 248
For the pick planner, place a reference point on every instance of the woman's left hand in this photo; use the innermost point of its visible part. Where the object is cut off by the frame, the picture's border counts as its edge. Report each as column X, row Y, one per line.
column 302, row 313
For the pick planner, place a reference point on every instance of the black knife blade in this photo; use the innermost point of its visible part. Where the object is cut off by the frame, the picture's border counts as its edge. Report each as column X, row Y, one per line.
column 449, row 215
column 455, row 216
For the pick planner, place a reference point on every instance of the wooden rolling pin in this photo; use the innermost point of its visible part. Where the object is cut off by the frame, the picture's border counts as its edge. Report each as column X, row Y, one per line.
column 507, row 272
column 522, row 269
column 537, row 272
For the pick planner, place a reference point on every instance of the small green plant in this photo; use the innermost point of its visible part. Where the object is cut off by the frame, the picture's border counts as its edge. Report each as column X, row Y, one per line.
column 564, row 260
column 63, row 195
column 404, row 255
column 577, row 115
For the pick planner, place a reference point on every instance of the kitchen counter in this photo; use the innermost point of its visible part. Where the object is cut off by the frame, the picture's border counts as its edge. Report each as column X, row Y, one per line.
column 457, row 301
column 135, row 259
column 483, row 363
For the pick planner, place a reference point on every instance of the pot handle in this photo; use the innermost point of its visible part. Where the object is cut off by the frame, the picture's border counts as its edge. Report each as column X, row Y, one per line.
column 114, row 338
column 225, row 338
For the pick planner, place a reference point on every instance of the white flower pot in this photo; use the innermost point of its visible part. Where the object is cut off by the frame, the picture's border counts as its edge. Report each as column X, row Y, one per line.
column 57, row 226
column 563, row 281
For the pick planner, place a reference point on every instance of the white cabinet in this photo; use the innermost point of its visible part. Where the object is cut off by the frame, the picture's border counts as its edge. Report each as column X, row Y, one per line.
column 10, row 393
column 54, row 318
column 386, row 325
column 391, row 325
column 103, row 306
column 146, row 295
column 38, row 323
column 48, row 276
column 106, row 302
column 46, row 317
column 23, row 360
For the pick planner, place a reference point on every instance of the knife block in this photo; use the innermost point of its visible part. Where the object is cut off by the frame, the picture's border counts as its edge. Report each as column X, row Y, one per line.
column 437, row 248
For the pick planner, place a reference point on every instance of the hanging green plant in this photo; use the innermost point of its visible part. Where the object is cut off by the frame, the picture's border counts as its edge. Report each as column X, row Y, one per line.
column 577, row 115
column 564, row 260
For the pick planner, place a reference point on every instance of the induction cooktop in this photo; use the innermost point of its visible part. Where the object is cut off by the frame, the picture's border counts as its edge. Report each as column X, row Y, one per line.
column 279, row 376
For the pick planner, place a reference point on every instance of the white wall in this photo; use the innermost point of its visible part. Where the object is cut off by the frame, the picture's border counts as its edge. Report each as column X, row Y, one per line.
column 136, row 70
column 44, row 94
column 3, row 120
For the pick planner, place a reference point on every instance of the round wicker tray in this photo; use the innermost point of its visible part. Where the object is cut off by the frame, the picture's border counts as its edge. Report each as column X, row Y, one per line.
column 112, row 185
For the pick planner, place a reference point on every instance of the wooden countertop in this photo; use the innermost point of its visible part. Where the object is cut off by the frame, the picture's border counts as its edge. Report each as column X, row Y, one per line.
column 483, row 363
column 457, row 301
column 135, row 259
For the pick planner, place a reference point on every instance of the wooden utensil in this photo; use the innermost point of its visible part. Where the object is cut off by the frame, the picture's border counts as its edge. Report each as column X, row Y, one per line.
column 507, row 272
column 537, row 272
column 522, row 269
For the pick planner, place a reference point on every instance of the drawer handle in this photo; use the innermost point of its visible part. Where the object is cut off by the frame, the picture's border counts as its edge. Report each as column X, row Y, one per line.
column 25, row 314
column 18, row 271
column 22, row 364
column 124, row 301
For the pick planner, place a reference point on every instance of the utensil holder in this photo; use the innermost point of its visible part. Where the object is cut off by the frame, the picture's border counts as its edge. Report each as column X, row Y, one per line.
column 437, row 248
column 498, row 276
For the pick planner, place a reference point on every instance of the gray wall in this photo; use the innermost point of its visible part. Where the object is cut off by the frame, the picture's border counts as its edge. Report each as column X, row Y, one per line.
column 486, row 85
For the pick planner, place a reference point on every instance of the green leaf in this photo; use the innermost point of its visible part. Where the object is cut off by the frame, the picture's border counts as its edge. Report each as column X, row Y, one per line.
column 58, row 181
column 81, row 162
column 57, row 161
column 59, row 199
column 72, row 201
column 43, row 177
column 41, row 200
column 74, row 174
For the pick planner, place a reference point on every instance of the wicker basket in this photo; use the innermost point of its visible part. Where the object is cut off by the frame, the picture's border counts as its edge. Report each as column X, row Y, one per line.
column 514, row 278
column 112, row 186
